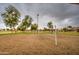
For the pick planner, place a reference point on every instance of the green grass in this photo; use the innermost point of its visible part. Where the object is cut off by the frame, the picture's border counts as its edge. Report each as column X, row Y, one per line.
column 40, row 32
column 69, row 33
column 24, row 32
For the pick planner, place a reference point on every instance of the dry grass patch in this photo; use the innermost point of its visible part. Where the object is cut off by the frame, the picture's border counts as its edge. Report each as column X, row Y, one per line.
column 38, row 44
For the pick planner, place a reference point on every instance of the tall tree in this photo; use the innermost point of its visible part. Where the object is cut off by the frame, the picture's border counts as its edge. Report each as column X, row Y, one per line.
column 34, row 27
column 50, row 25
column 11, row 16
column 65, row 29
column 26, row 22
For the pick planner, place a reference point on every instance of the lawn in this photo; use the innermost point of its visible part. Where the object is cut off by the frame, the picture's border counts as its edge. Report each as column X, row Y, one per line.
column 40, row 32
column 41, row 44
column 69, row 33
column 24, row 32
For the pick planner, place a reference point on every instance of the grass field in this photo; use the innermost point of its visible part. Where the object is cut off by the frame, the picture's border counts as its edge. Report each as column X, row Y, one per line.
column 29, row 43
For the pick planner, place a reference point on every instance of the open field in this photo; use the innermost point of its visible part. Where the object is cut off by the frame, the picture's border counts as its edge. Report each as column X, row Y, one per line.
column 43, row 43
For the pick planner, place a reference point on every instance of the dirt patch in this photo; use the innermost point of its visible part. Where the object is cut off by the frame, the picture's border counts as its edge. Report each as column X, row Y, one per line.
column 38, row 44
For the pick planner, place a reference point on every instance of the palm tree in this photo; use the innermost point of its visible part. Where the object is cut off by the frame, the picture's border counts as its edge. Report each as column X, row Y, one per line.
column 11, row 17
column 26, row 22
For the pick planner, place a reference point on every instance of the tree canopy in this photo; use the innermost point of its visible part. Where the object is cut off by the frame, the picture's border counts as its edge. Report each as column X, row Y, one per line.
column 26, row 22
column 50, row 25
column 11, row 16
column 34, row 27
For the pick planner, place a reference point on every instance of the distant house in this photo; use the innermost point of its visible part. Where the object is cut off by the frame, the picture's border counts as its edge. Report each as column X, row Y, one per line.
column 70, row 28
column 76, row 29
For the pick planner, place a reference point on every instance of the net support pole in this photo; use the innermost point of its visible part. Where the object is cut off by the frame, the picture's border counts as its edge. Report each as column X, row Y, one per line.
column 55, row 36
column 37, row 22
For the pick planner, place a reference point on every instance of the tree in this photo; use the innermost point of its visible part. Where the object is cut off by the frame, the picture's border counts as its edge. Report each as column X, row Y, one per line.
column 46, row 29
column 11, row 17
column 50, row 25
column 69, row 28
column 77, row 30
column 65, row 29
column 26, row 22
column 34, row 27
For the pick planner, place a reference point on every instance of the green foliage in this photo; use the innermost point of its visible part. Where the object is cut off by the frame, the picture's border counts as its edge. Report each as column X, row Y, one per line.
column 11, row 16
column 46, row 29
column 69, row 26
column 25, row 23
column 34, row 27
column 50, row 25
column 65, row 29
column 77, row 30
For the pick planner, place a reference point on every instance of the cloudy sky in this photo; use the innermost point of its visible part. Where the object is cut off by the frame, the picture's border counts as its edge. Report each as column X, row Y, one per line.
column 60, row 14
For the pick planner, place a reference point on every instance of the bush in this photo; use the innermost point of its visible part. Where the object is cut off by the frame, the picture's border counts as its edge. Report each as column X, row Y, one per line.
column 77, row 30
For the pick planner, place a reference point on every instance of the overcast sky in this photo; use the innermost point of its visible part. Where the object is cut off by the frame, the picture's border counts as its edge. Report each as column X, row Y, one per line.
column 60, row 14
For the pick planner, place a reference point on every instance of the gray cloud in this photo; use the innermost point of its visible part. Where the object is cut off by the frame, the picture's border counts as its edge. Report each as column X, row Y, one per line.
column 63, row 13
column 58, row 10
